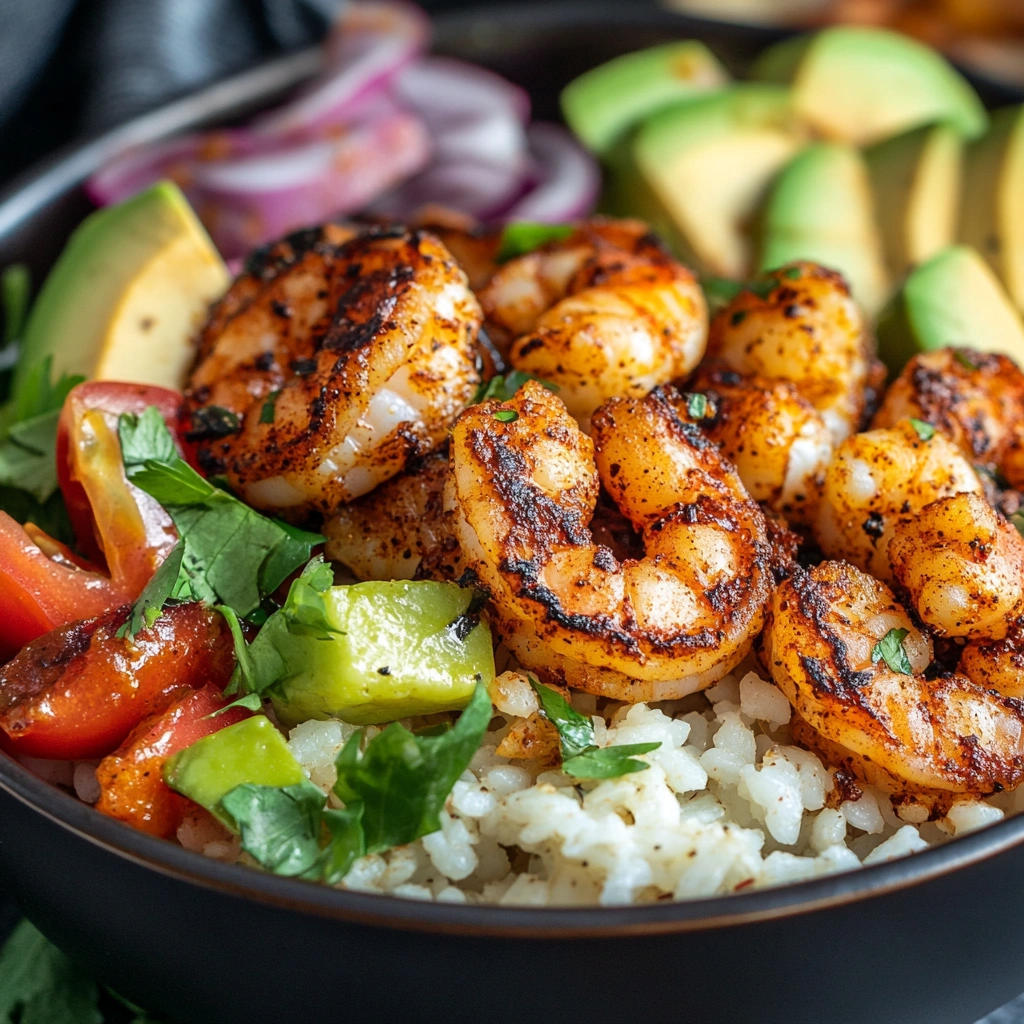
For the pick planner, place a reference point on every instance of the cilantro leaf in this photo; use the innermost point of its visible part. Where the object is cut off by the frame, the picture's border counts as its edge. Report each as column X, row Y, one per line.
column 168, row 582
column 697, row 405
column 925, row 431
column 720, row 291
column 232, row 555
column 608, row 762
column 40, row 985
column 523, row 237
column 581, row 758
column 401, row 780
column 890, row 650
column 503, row 388
column 305, row 611
column 575, row 731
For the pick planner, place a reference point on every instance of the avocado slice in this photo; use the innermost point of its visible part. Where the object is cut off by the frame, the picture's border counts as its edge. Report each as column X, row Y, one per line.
column 952, row 299
column 992, row 214
column 820, row 209
column 915, row 179
column 127, row 294
column 862, row 84
column 400, row 648
column 706, row 164
column 602, row 104
column 252, row 751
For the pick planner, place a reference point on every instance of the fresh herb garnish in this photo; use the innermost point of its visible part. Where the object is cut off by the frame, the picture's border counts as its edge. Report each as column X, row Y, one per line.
column 697, row 405
column 503, row 388
column 581, row 757
column 401, row 781
column 925, row 431
column 168, row 583
column 269, row 407
column 792, row 273
column 890, row 650
column 305, row 611
column 524, row 237
column 720, row 291
column 961, row 356
column 506, row 415
column 232, row 555
column 287, row 830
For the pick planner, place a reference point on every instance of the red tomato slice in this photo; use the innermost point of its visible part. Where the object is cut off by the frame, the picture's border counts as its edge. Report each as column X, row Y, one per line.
column 132, row 788
column 77, row 692
column 115, row 523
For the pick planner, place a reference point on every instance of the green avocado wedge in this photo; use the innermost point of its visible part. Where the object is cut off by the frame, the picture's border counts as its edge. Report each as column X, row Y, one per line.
column 127, row 294
column 603, row 104
column 861, row 84
column 251, row 751
column 992, row 214
column 915, row 179
column 386, row 651
column 952, row 299
column 705, row 165
column 821, row 209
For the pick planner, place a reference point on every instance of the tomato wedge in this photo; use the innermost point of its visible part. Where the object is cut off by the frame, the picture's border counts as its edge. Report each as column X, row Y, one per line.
column 132, row 788
column 77, row 692
column 115, row 523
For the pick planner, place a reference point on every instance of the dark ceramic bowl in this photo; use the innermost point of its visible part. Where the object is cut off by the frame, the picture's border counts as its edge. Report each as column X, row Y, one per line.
column 936, row 937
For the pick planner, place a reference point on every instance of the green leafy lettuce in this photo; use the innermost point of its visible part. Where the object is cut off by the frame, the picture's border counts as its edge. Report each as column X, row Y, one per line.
column 581, row 757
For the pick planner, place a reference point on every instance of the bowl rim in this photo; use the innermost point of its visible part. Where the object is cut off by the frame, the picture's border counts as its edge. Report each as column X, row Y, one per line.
column 62, row 172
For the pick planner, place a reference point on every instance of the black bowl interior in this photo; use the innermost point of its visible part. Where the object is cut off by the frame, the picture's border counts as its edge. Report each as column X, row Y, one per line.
column 541, row 48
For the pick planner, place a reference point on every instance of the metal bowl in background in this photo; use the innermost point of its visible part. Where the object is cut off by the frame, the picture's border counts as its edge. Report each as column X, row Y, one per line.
column 932, row 938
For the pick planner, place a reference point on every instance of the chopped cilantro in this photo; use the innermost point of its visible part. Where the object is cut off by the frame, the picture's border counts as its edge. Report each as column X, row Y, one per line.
column 925, row 431
column 269, row 407
column 168, row 583
column 792, row 273
column 581, row 757
column 524, row 237
column 232, row 555
column 697, row 405
column 401, row 781
column 506, row 415
column 890, row 650
column 503, row 388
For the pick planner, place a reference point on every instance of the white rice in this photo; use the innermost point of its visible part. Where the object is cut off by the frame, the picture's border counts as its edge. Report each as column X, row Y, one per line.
column 727, row 804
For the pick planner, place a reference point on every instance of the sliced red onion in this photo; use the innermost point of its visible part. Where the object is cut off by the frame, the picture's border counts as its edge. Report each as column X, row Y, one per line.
column 247, row 201
column 370, row 43
column 569, row 179
column 444, row 91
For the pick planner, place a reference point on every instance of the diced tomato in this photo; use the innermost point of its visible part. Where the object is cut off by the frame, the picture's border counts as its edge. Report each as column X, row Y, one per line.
column 115, row 523
column 78, row 691
column 132, row 788
column 39, row 592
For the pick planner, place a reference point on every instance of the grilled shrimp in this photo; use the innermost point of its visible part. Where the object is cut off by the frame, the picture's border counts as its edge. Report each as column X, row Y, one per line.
column 920, row 739
column 604, row 313
column 975, row 398
column 397, row 531
column 877, row 480
column 808, row 330
column 962, row 565
column 523, row 492
column 997, row 664
column 338, row 366
column 775, row 438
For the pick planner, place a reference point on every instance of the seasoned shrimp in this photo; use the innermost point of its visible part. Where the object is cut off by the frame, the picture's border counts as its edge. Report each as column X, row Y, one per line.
column 808, row 330
column 524, row 488
column 775, row 438
column 997, row 664
column 975, row 398
column 962, row 565
column 349, row 361
column 928, row 740
column 398, row 531
column 604, row 313
column 877, row 480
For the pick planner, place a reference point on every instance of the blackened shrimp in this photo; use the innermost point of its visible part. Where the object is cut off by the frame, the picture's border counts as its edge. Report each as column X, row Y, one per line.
column 605, row 313
column 801, row 325
column 775, row 438
column 341, row 365
column 879, row 479
column 523, row 493
column 923, row 740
